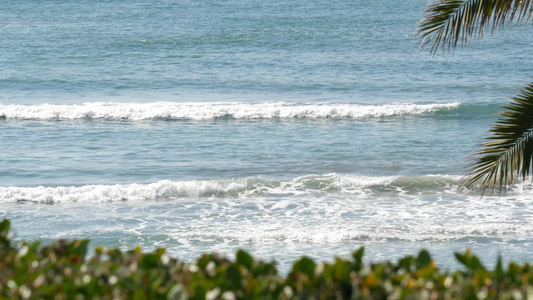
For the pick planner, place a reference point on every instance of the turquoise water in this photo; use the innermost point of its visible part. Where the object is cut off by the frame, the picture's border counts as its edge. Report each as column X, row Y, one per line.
column 307, row 127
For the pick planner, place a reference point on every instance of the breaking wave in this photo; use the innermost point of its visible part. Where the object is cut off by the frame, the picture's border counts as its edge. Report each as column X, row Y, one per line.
column 235, row 188
column 212, row 111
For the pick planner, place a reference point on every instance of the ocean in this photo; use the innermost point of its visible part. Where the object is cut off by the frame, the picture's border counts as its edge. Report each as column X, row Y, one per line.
column 284, row 128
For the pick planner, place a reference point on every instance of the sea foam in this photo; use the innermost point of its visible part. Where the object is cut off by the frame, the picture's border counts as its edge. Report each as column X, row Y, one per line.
column 211, row 111
column 341, row 184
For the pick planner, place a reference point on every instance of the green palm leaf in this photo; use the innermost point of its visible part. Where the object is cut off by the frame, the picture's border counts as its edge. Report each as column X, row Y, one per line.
column 509, row 151
column 445, row 23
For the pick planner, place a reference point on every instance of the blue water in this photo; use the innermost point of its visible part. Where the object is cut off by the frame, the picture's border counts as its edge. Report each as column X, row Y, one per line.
column 283, row 128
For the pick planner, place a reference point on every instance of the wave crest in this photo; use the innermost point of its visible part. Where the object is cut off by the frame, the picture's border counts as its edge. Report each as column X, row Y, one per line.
column 212, row 111
column 235, row 188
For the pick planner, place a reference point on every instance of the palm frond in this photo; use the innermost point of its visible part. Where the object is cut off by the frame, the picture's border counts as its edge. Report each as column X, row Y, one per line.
column 445, row 23
column 508, row 153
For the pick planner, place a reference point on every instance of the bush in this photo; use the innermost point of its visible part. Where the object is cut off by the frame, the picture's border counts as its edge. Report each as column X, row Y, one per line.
column 62, row 270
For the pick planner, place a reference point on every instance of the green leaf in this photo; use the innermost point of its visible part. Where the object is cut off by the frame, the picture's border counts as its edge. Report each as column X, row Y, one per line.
column 423, row 260
column 80, row 247
column 498, row 270
column 139, row 295
column 234, row 277
column 244, row 259
column 341, row 269
column 406, row 263
column 476, row 264
column 305, row 265
column 358, row 258
column 462, row 259
column 5, row 241
column 509, row 152
column 4, row 228
column 471, row 262
column 358, row 255
column 447, row 23
column 200, row 293
column 149, row 261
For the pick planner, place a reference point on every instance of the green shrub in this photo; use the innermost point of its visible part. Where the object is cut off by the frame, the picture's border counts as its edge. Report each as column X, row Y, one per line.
column 62, row 270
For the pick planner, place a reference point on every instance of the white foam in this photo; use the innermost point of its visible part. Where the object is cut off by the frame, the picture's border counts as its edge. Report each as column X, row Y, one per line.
column 326, row 231
column 210, row 111
column 232, row 188
column 330, row 209
column 343, row 183
column 133, row 192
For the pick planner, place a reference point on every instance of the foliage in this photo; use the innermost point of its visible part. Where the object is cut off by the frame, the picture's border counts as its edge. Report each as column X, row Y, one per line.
column 448, row 22
column 62, row 271
column 510, row 148
column 509, row 151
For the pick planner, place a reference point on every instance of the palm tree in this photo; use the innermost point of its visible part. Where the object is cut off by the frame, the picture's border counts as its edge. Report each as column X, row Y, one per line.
column 508, row 152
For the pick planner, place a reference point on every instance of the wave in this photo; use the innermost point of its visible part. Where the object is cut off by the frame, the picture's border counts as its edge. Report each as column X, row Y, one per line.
column 198, row 111
column 335, row 234
column 341, row 184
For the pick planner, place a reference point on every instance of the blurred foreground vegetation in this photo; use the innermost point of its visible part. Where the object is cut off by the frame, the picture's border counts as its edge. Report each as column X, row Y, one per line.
column 63, row 271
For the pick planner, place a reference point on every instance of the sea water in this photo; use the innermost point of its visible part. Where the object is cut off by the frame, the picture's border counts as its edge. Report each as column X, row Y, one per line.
column 285, row 128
